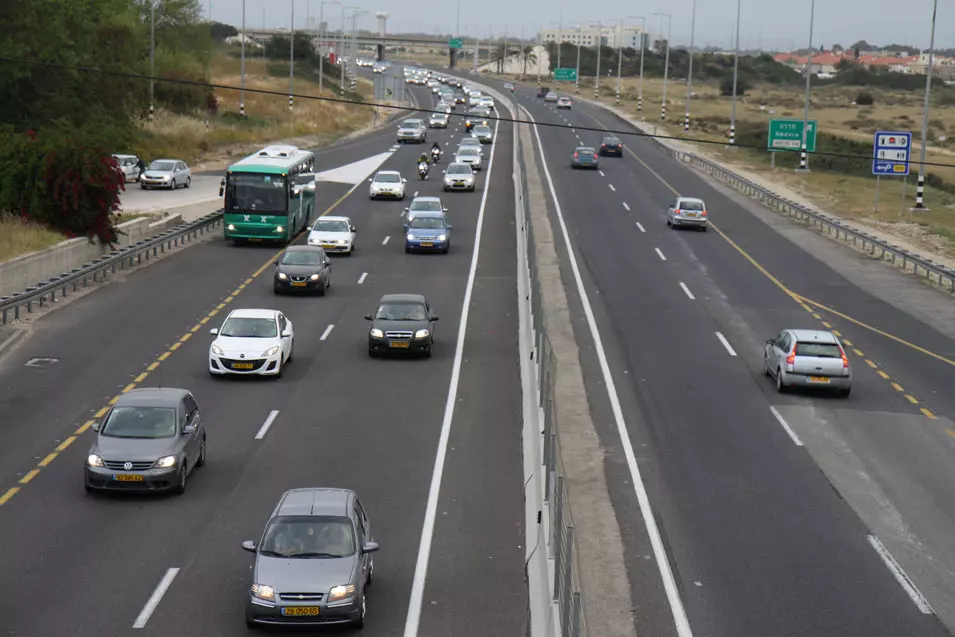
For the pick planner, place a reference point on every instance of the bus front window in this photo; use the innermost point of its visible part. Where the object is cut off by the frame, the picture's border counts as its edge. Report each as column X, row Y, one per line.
column 257, row 193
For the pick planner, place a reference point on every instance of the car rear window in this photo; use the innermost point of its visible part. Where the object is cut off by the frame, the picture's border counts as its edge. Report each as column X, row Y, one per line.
column 691, row 205
column 818, row 350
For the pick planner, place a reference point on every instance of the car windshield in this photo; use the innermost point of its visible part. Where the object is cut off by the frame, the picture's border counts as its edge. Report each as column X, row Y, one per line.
column 162, row 166
column 819, row 350
column 386, row 178
column 427, row 205
column 260, row 193
column 401, row 312
column 309, row 537
column 246, row 327
column 691, row 205
column 429, row 223
column 468, row 151
column 482, row 129
column 302, row 257
column 459, row 169
column 469, row 141
column 140, row 422
column 323, row 225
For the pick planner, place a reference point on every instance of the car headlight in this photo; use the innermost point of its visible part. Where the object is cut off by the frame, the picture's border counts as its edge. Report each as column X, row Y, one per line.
column 342, row 242
column 165, row 462
column 231, row 226
column 422, row 334
column 315, row 277
column 94, row 461
column 263, row 592
column 442, row 237
column 282, row 276
column 272, row 351
column 469, row 180
column 279, row 229
column 216, row 350
column 339, row 593
column 377, row 333
column 410, row 237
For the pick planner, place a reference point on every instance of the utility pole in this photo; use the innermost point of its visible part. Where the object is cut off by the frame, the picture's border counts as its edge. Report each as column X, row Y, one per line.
column 920, row 189
column 735, row 76
column 291, row 61
column 803, row 155
column 689, row 79
column 242, row 72
column 152, row 55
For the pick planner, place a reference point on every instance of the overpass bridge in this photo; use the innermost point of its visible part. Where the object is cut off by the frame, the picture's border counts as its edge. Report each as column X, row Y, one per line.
column 332, row 39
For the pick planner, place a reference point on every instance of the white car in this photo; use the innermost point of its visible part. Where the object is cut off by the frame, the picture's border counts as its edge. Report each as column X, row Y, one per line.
column 423, row 204
column 438, row 120
column 472, row 142
column 469, row 155
column 334, row 234
column 387, row 183
column 251, row 342
column 486, row 100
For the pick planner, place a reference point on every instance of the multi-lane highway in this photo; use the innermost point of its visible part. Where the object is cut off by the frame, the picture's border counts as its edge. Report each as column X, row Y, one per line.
column 88, row 565
column 759, row 539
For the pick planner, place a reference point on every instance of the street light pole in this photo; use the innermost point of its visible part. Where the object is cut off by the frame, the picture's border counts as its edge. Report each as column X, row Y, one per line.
column 291, row 60
column 577, row 81
column 666, row 63
column 322, row 35
column 689, row 79
column 643, row 45
column 242, row 71
column 735, row 76
column 600, row 34
column 620, row 57
column 803, row 155
column 152, row 55
column 920, row 190
column 560, row 28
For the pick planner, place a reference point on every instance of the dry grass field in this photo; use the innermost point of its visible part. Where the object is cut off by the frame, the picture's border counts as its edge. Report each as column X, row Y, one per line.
column 20, row 237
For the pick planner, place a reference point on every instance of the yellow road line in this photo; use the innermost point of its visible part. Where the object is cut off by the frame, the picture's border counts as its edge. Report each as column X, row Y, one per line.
column 101, row 412
column 66, row 443
column 12, row 491
column 185, row 337
column 152, row 366
column 29, row 475
column 870, row 363
column 928, row 413
column 816, row 316
column 228, row 299
column 857, row 352
column 114, row 400
column 248, row 281
column 829, row 325
column 911, row 399
column 950, row 432
column 203, row 321
column 196, row 328
column 164, row 356
column 128, row 388
column 49, row 458
column 141, row 377
column 847, row 342
column 837, row 333
column 220, row 306
column 82, row 428
column 174, row 347
column 882, row 374
column 236, row 292
column 897, row 387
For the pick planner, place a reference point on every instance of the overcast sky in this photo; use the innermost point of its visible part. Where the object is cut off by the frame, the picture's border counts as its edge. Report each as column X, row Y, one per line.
column 771, row 24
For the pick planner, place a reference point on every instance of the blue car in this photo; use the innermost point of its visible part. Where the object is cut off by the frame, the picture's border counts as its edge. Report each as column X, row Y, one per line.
column 428, row 232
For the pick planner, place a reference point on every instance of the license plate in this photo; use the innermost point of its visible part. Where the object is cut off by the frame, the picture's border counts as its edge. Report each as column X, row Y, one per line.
column 426, row 244
column 692, row 215
column 298, row 284
column 127, row 477
column 241, row 365
column 300, row 611
column 819, row 379
column 399, row 345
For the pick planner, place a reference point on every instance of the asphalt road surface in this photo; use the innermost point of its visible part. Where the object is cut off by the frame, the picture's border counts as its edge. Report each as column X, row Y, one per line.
column 88, row 564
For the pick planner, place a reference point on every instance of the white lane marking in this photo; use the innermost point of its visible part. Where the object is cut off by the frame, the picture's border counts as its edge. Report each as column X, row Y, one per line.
column 726, row 344
column 361, row 279
column 907, row 585
column 785, row 426
column 385, row 241
column 264, row 429
column 659, row 550
column 639, row 225
column 612, row 188
column 660, row 254
column 687, row 290
column 626, row 206
column 415, row 194
column 573, row 130
column 328, row 330
column 601, row 173
column 431, row 510
column 155, row 598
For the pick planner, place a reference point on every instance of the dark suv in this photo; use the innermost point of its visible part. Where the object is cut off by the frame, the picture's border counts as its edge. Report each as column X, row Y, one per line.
column 542, row 91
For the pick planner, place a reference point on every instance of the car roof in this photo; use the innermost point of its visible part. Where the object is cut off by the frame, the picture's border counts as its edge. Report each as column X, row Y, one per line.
column 303, row 248
column 438, row 199
column 152, row 397
column 330, row 218
column 693, row 199
column 814, row 336
column 315, row 501
column 388, row 172
column 252, row 313
column 585, row 148
column 155, row 160
column 461, row 163
column 403, row 298
column 424, row 214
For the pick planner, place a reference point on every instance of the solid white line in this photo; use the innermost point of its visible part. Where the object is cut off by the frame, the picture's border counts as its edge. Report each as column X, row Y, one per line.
column 601, row 173
column 361, row 279
column 639, row 225
column 431, row 510
column 626, row 206
column 687, row 290
column 385, row 241
column 328, row 330
column 660, row 254
column 264, row 429
column 726, row 344
column 155, row 598
column 785, row 425
column 612, row 188
column 907, row 585
column 659, row 550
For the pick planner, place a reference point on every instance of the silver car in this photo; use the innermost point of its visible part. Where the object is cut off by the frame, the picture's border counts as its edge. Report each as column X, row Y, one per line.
column 551, row 97
column 470, row 142
column 483, row 134
column 469, row 155
column 150, row 440
column 687, row 211
column 166, row 173
column 313, row 562
column 807, row 358
column 438, row 120
column 459, row 177
column 412, row 130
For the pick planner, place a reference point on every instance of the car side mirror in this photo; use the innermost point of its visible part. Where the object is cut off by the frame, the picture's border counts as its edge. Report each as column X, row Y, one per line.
column 407, row 209
column 214, row 331
column 286, row 333
column 368, row 317
column 96, row 426
column 444, row 210
column 405, row 226
column 276, row 263
column 449, row 227
column 221, row 191
column 434, row 318
column 354, row 229
column 249, row 546
column 370, row 180
column 370, row 547
column 188, row 429
column 403, row 180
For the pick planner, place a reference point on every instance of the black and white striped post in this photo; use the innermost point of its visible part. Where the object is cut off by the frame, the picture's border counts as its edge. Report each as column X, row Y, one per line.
column 920, row 188
column 666, row 61
column 686, row 123
column 732, row 134
column 803, row 156
column 640, row 103
column 735, row 78
column 663, row 112
column 689, row 77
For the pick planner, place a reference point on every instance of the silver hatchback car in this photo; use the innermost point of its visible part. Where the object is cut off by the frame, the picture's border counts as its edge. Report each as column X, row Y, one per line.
column 808, row 358
column 687, row 211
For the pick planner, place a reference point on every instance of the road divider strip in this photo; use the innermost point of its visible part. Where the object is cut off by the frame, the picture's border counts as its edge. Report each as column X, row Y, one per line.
column 896, row 569
column 785, row 425
column 726, row 344
column 155, row 598
column 264, row 429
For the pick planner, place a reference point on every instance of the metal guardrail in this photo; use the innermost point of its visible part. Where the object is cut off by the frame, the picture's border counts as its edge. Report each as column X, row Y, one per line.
column 567, row 594
column 100, row 269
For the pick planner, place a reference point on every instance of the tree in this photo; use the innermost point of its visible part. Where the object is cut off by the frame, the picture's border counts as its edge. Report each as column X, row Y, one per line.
column 529, row 56
column 845, row 64
column 742, row 85
column 219, row 31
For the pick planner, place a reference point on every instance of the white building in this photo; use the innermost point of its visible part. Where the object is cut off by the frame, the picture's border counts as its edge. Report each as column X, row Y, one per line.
column 629, row 36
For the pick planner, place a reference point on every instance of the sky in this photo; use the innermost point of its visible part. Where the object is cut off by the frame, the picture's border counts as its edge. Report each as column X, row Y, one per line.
column 767, row 24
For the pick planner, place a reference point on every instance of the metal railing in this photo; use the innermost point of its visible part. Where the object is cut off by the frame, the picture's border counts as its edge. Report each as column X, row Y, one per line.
column 559, row 526
column 101, row 268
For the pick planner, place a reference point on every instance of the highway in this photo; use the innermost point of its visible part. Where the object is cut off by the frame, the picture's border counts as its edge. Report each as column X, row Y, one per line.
column 767, row 531
column 88, row 564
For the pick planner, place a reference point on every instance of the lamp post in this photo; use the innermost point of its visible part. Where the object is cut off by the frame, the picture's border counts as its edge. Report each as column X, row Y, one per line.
column 689, row 79
column 560, row 28
column 600, row 35
column 619, row 38
column 920, row 189
column 580, row 36
column 803, row 156
column 291, row 60
column 666, row 63
column 152, row 55
column 735, row 77
column 242, row 68
column 321, row 36
column 643, row 32
column 341, row 54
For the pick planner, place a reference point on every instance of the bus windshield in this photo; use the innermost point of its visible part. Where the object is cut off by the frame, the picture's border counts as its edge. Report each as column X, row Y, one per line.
column 258, row 193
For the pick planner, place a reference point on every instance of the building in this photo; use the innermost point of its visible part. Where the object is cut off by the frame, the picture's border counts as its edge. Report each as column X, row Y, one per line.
column 826, row 63
column 627, row 36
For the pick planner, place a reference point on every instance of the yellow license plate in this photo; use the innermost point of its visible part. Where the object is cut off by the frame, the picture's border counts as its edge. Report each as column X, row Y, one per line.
column 128, row 477
column 298, row 284
column 399, row 344
column 300, row 611
column 241, row 365
column 819, row 379
column 333, row 245
column 692, row 214
column 426, row 244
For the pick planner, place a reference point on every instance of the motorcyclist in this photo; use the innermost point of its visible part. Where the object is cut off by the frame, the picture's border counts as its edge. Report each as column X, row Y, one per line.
column 436, row 151
column 424, row 158
column 423, row 165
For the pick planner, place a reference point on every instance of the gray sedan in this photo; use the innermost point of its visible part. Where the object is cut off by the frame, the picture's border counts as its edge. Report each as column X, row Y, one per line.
column 807, row 358
column 150, row 440
column 166, row 173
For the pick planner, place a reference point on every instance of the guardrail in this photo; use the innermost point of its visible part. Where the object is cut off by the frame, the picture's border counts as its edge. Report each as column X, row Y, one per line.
column 100, row 269
column 556, row 519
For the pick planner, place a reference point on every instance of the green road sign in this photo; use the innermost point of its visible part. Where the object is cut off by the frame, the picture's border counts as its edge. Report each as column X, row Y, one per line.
column 454, row 43
column 786, row 134
column 568, row 75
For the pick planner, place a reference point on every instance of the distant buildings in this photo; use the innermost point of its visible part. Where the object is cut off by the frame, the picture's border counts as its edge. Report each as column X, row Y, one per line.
column 827, row 63
column 630, row 36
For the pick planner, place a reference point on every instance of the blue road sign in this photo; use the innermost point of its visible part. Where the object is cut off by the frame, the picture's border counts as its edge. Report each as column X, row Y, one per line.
column 891, row 152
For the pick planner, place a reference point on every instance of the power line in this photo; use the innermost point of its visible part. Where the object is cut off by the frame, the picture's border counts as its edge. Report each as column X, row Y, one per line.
column 412, row 109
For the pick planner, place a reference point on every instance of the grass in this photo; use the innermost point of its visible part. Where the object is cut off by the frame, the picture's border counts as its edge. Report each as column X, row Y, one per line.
column 18, row 237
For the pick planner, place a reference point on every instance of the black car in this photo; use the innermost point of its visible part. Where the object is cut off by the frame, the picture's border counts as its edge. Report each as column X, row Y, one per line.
column 611, row 146
column 402, row 323
column 303, row 268
column 542, row 91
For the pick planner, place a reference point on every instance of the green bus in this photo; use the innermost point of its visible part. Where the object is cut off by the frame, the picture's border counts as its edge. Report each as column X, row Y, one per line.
column 269, row 195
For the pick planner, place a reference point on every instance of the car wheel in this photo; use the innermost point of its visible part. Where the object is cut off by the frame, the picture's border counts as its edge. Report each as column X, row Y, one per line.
column 445, row 189
column 360, row 620
column 703, row 228
column 780, row 387
column 143, row 186
column 407, row 250
column 669, row 223
column 291, row 351
column 251, row 625
column 321, row 290
column 89, row 489
column 371, row 352
column 202, row 453
column 188, row 181
column 181, row 485
column 844, row 393
column 766, row 367
column 427, row 353
column 173, row 185
column 281, row 369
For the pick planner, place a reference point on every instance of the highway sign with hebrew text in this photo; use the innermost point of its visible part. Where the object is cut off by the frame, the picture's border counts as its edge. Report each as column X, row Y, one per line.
column 565, row 75
column 786, row 134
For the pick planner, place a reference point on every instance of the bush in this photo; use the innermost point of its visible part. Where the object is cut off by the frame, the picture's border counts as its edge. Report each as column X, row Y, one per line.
column 742, row 85
column 865, row 99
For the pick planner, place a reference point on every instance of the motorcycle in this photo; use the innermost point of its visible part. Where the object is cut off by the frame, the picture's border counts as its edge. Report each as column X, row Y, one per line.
column 423, row 170
column 435, row 155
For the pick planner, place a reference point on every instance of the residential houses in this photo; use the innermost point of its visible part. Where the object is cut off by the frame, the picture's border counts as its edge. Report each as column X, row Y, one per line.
column 827, row 62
